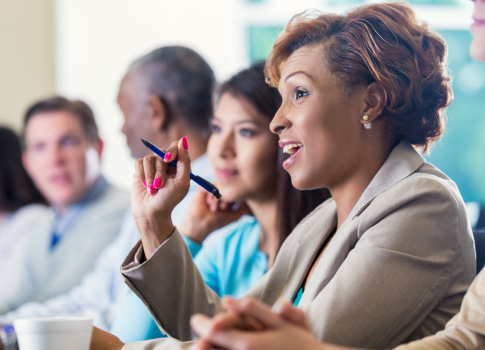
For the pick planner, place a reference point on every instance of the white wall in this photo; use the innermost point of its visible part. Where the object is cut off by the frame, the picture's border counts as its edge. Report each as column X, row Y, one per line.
column 97, row 39
column 26, row 56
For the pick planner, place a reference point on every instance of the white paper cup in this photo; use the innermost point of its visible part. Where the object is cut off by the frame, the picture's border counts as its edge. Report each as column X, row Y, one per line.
column 66, row 333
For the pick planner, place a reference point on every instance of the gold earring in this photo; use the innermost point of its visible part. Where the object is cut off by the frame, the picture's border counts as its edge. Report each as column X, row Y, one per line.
column 366, row 117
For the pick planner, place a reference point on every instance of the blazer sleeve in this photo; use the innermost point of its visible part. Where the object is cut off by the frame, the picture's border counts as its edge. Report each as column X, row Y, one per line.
column 172, row 287
column 407, row 253
column 465, row 331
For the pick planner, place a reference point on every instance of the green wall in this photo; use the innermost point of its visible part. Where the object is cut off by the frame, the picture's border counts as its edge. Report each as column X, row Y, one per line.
column 460, row 154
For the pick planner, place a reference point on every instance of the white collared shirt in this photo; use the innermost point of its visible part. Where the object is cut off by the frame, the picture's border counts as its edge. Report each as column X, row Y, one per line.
column 103, row 291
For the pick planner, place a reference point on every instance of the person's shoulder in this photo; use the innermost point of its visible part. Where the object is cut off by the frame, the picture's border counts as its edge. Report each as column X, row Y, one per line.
column 34, row 211
column 240, row 227
column 33, row 216
column 427, row 182
column 113, row 199
column 425, row 195
column 233, row 232
column 229, row 243
column 114, row 192
column 32, row 219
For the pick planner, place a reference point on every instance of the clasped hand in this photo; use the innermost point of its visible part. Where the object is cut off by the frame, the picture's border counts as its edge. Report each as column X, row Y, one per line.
column 249, row 324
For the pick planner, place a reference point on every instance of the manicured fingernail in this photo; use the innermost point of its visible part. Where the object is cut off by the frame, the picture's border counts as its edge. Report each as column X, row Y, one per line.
column 184, row 143
column 158, row 182
column 168, row 155
column 145, row 183
column 150, row 189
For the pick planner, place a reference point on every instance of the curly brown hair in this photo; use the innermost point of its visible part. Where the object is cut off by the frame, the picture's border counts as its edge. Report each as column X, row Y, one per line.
column 383, row 43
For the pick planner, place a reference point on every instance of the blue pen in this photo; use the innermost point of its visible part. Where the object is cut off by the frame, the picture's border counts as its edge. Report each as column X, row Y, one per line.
column 197, row 179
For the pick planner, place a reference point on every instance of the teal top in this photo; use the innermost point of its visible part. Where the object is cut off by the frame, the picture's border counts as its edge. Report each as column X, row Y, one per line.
column 298, row 297
column 230, row 264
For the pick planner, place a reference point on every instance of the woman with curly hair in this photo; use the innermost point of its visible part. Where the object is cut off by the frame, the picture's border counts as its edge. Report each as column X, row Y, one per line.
column 289, row 329
column 390, row 256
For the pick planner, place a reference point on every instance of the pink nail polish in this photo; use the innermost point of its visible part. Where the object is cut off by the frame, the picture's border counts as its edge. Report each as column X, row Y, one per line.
column 145, row 183
column 184, row 143
column 158, row 182
column 150, row 189
column 168, row 155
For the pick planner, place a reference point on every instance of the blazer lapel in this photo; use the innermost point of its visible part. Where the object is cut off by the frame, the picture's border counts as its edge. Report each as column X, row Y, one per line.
column 299, row 250
column 297, row 254
column 393, row 170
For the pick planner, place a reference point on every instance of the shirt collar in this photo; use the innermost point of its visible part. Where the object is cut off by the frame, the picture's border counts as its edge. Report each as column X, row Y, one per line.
column 64, row 222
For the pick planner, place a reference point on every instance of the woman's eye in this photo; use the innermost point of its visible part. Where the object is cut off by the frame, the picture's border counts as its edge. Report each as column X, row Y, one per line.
column 300, row 92
column 246, row 133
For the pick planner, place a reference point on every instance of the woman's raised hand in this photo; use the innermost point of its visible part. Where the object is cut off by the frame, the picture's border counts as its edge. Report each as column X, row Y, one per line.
column 157, row 188
column 207, row 214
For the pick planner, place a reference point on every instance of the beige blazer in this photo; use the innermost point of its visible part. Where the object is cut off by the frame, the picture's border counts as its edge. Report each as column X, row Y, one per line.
column 466, row 330
column 395, row 271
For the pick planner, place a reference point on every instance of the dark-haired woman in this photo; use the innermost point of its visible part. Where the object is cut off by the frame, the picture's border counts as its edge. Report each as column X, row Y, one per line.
column 389, row 258
column 242, row 150
column 20, row 205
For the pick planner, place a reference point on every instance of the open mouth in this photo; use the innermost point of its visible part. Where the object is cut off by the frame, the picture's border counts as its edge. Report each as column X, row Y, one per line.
column 292, row 148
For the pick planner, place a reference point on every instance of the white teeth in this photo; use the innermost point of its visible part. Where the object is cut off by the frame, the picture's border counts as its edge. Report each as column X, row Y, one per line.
column 291, row 148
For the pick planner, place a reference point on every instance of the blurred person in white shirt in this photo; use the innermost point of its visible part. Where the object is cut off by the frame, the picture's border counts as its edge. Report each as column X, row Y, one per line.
column 165, row 95
column 62, row 154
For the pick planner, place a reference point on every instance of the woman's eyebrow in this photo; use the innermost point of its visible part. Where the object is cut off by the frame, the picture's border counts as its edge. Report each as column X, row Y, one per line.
column 247, row 121
column 298, row 72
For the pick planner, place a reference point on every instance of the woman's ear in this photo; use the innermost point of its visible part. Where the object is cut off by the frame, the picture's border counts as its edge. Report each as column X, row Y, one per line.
column 375, row 100
column 157, row 112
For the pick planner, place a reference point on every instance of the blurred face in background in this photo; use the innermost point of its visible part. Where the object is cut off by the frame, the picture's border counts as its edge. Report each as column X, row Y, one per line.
column 61, row 160
column 242, row 151
column 477, row 48
column 133, row 100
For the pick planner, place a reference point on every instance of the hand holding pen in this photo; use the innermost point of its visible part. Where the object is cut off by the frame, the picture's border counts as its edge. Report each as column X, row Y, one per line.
column 168, row 158
column 157, row 188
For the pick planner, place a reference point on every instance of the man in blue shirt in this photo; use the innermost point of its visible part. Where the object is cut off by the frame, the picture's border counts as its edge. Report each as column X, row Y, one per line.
column 62, row 153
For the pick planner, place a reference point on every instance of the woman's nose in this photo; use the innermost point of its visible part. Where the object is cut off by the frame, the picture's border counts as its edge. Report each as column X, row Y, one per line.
column 280, row 122
column 226, row 147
